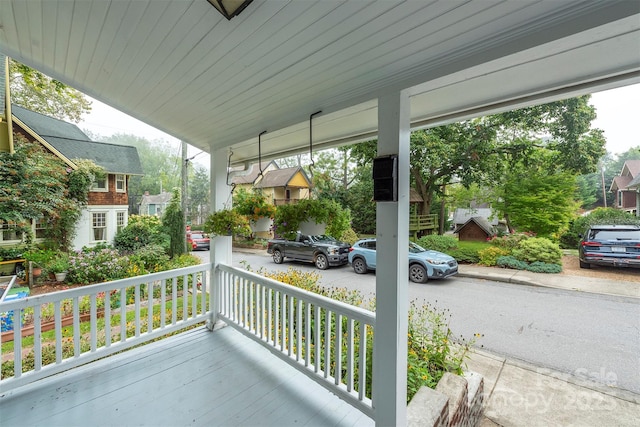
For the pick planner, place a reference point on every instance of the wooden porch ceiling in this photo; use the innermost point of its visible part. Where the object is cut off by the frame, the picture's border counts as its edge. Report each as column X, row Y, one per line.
column 219, row 378
column 183, row 68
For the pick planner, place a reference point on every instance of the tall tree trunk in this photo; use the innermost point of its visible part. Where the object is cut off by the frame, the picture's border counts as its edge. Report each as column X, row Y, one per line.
column 441, row 220
column 424, row 190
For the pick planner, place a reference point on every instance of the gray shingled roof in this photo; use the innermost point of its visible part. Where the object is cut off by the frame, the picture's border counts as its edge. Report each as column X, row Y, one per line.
column 69, row 140
column 462, row 215
column 280, row 177
column 481, row 222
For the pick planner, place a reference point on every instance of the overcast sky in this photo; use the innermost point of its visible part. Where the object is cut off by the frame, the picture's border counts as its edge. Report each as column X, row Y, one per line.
column 618, row 113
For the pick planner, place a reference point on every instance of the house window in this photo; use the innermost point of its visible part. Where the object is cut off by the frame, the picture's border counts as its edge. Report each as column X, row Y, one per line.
column 99, row 226
column 120, row 223
column 41, row 228
column 100, row 184
column 121, row 184
column 9, row 232
column 620, row 194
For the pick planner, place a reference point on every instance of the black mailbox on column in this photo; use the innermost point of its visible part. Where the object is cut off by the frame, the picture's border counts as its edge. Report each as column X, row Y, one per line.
column 385, row 179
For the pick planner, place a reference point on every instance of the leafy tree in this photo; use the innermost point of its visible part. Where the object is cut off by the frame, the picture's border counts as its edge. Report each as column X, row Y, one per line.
column 484, row 150
column 198, row 195
column 34, row 90
column 36, row 184
column 538, row 199
column 173, row 221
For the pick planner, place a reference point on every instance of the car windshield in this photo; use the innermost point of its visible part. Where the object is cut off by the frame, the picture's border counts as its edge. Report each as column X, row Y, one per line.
column 321, row 238
column 415, row 249
column 614, row 235
column 197, row 236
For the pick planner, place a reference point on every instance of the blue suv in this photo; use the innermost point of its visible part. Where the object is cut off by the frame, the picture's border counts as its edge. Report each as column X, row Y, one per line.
column 423, row 264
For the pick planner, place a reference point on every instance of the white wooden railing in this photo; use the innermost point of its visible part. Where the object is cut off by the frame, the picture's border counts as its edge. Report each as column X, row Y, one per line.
column 178, row 298
column 328, row 340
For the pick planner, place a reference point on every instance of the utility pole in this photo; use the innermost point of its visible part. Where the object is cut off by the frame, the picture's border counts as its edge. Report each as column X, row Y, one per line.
column 604, row 191
column 185, row 165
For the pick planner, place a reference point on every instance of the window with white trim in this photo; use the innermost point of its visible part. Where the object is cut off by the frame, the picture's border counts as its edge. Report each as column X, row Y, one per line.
column 10, row 232
column 120, row 220
column 41, row 228
column 121, row 184
column 99, row 221
column 101, row 184
column 620, row 195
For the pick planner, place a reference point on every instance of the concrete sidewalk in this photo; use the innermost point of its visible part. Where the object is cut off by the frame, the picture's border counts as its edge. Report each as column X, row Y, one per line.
column 521, row 394
column 626, row 288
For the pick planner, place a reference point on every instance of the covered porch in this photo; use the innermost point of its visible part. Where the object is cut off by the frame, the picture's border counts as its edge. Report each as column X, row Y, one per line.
column 199, row 377
column 316, row 75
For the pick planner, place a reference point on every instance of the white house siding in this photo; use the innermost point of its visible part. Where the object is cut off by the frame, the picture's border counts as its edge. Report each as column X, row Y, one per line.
column 84, row 229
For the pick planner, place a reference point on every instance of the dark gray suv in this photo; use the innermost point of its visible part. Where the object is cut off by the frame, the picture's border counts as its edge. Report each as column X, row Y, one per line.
column 611, row 245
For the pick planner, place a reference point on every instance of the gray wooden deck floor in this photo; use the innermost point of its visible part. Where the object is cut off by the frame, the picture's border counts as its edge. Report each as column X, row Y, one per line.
column 216, row 378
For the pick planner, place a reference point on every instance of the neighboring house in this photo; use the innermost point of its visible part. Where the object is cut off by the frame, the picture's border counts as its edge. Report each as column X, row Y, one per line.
column 280, row 186
column 626, row 187
column 476, row 228
column 107, row 209
column 285, row 186
column 247, row 179
column 154, row 204
column 462, row 215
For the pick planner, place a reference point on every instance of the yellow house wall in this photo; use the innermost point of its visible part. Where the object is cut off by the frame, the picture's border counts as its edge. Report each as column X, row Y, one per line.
column 298, row 180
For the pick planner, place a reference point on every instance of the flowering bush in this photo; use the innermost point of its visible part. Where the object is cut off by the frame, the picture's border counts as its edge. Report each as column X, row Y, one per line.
column 99, row 265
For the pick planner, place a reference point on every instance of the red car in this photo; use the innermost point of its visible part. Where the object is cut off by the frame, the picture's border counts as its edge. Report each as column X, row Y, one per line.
column 198, row 240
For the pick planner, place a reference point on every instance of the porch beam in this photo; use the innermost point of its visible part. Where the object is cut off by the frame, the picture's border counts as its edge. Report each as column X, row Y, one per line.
column 392, row 229
column 221, row 246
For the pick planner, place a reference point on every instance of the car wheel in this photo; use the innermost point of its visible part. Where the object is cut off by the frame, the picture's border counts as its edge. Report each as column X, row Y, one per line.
column 359, row 266
column 418, row 273
column 584, row 264
column 321, row 262
column 277, row 256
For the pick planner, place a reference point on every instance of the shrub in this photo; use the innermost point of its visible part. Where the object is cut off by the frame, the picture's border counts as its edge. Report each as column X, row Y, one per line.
column 465, row 255
column 133, row 237
column 149, row 259
column 438, row 243
column 490, row 255
column 538, row 249
column 510, row 261
column 349, row 236
column 510, row 241
column 543, row 267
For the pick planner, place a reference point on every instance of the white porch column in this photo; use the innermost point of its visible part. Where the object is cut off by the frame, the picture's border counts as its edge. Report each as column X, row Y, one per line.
column 221, row 246
column 392, row 225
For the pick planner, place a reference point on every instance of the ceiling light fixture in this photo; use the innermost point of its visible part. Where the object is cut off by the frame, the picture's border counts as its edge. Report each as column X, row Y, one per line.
column 230, row 8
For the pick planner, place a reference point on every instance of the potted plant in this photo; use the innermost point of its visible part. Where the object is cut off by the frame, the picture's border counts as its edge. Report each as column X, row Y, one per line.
column 256, row 208
column 59, row 266
column 227, row 222
column 38, row 258
column 311, row 216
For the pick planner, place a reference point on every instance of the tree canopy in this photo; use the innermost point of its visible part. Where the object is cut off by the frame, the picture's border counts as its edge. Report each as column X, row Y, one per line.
column 38, row 92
